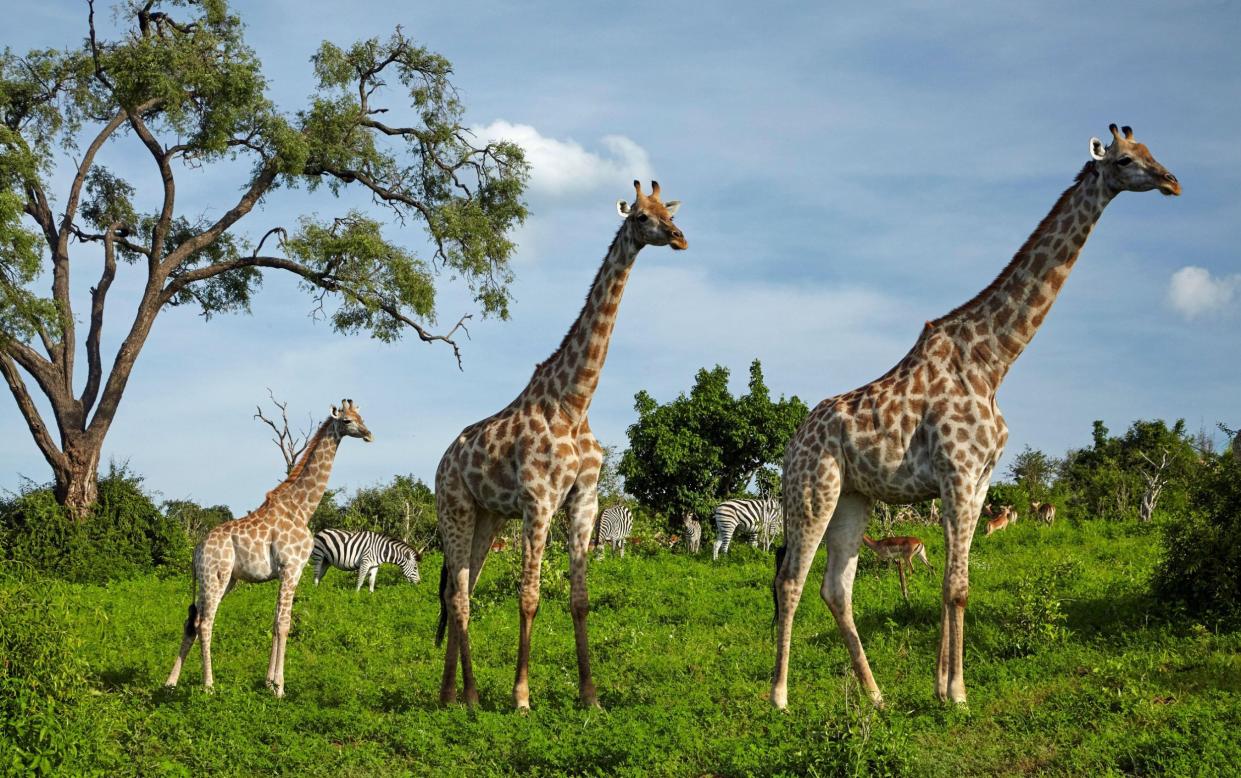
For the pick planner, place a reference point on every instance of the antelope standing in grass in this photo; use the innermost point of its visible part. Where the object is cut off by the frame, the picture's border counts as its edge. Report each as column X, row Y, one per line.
column 1044, row 512
column 904, row 549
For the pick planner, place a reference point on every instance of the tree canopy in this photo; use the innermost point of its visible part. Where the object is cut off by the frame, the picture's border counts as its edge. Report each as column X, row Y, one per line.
column 701, row 448
column 182, row 84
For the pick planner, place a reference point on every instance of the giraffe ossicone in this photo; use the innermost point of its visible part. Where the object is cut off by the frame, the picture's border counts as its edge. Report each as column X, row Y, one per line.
column 534, row 456
column 930, row 426
column 272, row 542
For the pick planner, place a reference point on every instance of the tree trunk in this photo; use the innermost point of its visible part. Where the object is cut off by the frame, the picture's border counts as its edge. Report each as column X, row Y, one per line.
column 77, row 479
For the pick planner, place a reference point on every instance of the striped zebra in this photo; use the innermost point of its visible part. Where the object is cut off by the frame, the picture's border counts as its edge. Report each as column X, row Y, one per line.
column 760, row 519
column 363, row 551
column 693, row 533
column 615, row 524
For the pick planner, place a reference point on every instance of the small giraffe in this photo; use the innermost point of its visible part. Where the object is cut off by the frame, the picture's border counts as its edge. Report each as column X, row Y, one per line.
column 533, row 457
column 930, row 426
column 271, row 542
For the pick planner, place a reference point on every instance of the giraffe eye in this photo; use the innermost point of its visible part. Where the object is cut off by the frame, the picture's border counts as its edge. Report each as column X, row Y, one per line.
column 1123, row 161
column 642, row 217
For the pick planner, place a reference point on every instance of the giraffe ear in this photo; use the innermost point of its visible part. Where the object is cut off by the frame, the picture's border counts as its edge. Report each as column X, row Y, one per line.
column 1097, row 149
column 335, row 413
column 672, row 206
column 622, row 207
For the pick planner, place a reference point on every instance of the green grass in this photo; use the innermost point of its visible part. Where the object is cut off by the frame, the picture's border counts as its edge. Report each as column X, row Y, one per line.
column 1071, row 670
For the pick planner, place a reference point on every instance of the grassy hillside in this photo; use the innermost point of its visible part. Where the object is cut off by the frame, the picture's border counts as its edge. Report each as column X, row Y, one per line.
column 1071, row 668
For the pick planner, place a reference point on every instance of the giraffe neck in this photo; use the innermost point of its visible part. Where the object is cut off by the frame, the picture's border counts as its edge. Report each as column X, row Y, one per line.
column 568, row 377
column 996, row 325
column 301, row 492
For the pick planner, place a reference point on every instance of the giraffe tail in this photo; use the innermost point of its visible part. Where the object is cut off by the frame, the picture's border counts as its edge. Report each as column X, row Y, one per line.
column 775, row 591
column 443, row 624
column 191, row 620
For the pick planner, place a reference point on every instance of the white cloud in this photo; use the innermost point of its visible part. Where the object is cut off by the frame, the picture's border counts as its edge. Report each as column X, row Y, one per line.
column 560, row 168
column 1193, row 291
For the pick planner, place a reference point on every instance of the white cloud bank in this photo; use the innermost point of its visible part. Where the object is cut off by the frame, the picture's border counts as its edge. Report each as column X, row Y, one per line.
column 560, row 168
column 1193, row 291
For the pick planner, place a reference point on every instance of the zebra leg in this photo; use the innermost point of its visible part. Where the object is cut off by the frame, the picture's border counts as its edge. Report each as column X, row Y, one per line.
column 844, row 537
column 320, row 568
column 583, row 503
column 374, row 574
column 364, row 568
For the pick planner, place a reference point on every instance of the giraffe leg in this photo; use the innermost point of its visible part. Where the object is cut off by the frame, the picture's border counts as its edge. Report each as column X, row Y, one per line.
column 582, row 506
column 537, row 522
column 280, row 633
column 962, row 505
column 206, row 624
column 844, row 537
column 456, row 594
column 810, row 501
column 189, row 632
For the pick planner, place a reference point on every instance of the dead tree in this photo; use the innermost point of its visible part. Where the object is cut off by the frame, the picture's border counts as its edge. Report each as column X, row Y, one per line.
column 1156, row 477
column 290, row 443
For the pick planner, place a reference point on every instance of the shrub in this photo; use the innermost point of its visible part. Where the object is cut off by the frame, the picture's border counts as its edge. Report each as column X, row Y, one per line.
column 42, row 671
column 123, row 536
column 1201, row 565
column 1037, row 618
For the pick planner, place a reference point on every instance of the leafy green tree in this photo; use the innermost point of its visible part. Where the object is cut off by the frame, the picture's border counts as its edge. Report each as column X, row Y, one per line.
column 183, row 85
column 195, row 519
column 404, row 508
column 693, row 452
column 1034, row 471
column 1151, row 466
column 1201, row 564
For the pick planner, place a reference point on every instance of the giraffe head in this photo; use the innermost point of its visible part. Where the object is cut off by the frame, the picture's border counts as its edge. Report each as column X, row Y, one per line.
column 1127, row 165
column 349, row 422
column 650, row 219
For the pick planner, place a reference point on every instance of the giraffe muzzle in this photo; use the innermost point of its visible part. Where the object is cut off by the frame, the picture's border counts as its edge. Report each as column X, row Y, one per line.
column 1169, row 186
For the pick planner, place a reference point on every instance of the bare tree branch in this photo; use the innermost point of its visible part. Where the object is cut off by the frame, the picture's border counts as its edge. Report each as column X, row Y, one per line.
column 290, row 445
column 98, row 294
column 33, row 420
column 162, row 224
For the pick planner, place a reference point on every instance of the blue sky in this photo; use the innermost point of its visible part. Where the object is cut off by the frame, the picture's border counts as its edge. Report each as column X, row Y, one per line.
column 846, row 174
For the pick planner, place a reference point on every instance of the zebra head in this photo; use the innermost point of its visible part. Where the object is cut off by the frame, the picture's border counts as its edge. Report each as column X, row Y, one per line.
column 650, row 219
column 409, row 567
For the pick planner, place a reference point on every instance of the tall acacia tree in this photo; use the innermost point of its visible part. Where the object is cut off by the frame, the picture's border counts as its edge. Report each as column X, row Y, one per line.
column 191, row 93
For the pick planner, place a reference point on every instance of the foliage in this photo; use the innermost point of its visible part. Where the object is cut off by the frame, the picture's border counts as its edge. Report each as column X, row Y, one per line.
column 1034, row 472
column 180, row 84
column 195, row 520
column 682, row 654
column 43, row 670
column 1036, row 621
column 384, row 508
column 125, row 534
column 1201, row 565
column 1106, row 480
column 701, row 448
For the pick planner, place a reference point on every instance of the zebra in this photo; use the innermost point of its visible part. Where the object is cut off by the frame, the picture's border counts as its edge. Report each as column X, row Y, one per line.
column 760, row 519
column 693, row 533
column 363, row 551
column 615, row 524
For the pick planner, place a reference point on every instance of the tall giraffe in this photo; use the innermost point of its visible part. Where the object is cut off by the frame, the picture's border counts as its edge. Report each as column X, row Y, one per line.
column 535, row 456
column 930, row 426
column 271, row 542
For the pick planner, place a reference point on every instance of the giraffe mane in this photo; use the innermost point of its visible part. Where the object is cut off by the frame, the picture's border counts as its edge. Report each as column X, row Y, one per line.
column 1038, row 233
column 300, row 465
column 577, row 321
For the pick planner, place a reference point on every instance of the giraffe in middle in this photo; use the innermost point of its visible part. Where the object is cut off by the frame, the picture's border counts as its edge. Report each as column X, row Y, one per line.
column 534, row 456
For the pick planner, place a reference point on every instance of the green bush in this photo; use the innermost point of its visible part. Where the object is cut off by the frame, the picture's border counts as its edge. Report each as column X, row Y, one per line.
column 1201, row 565
column 43, row 671
column 124, row 534
column 1037, row 618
